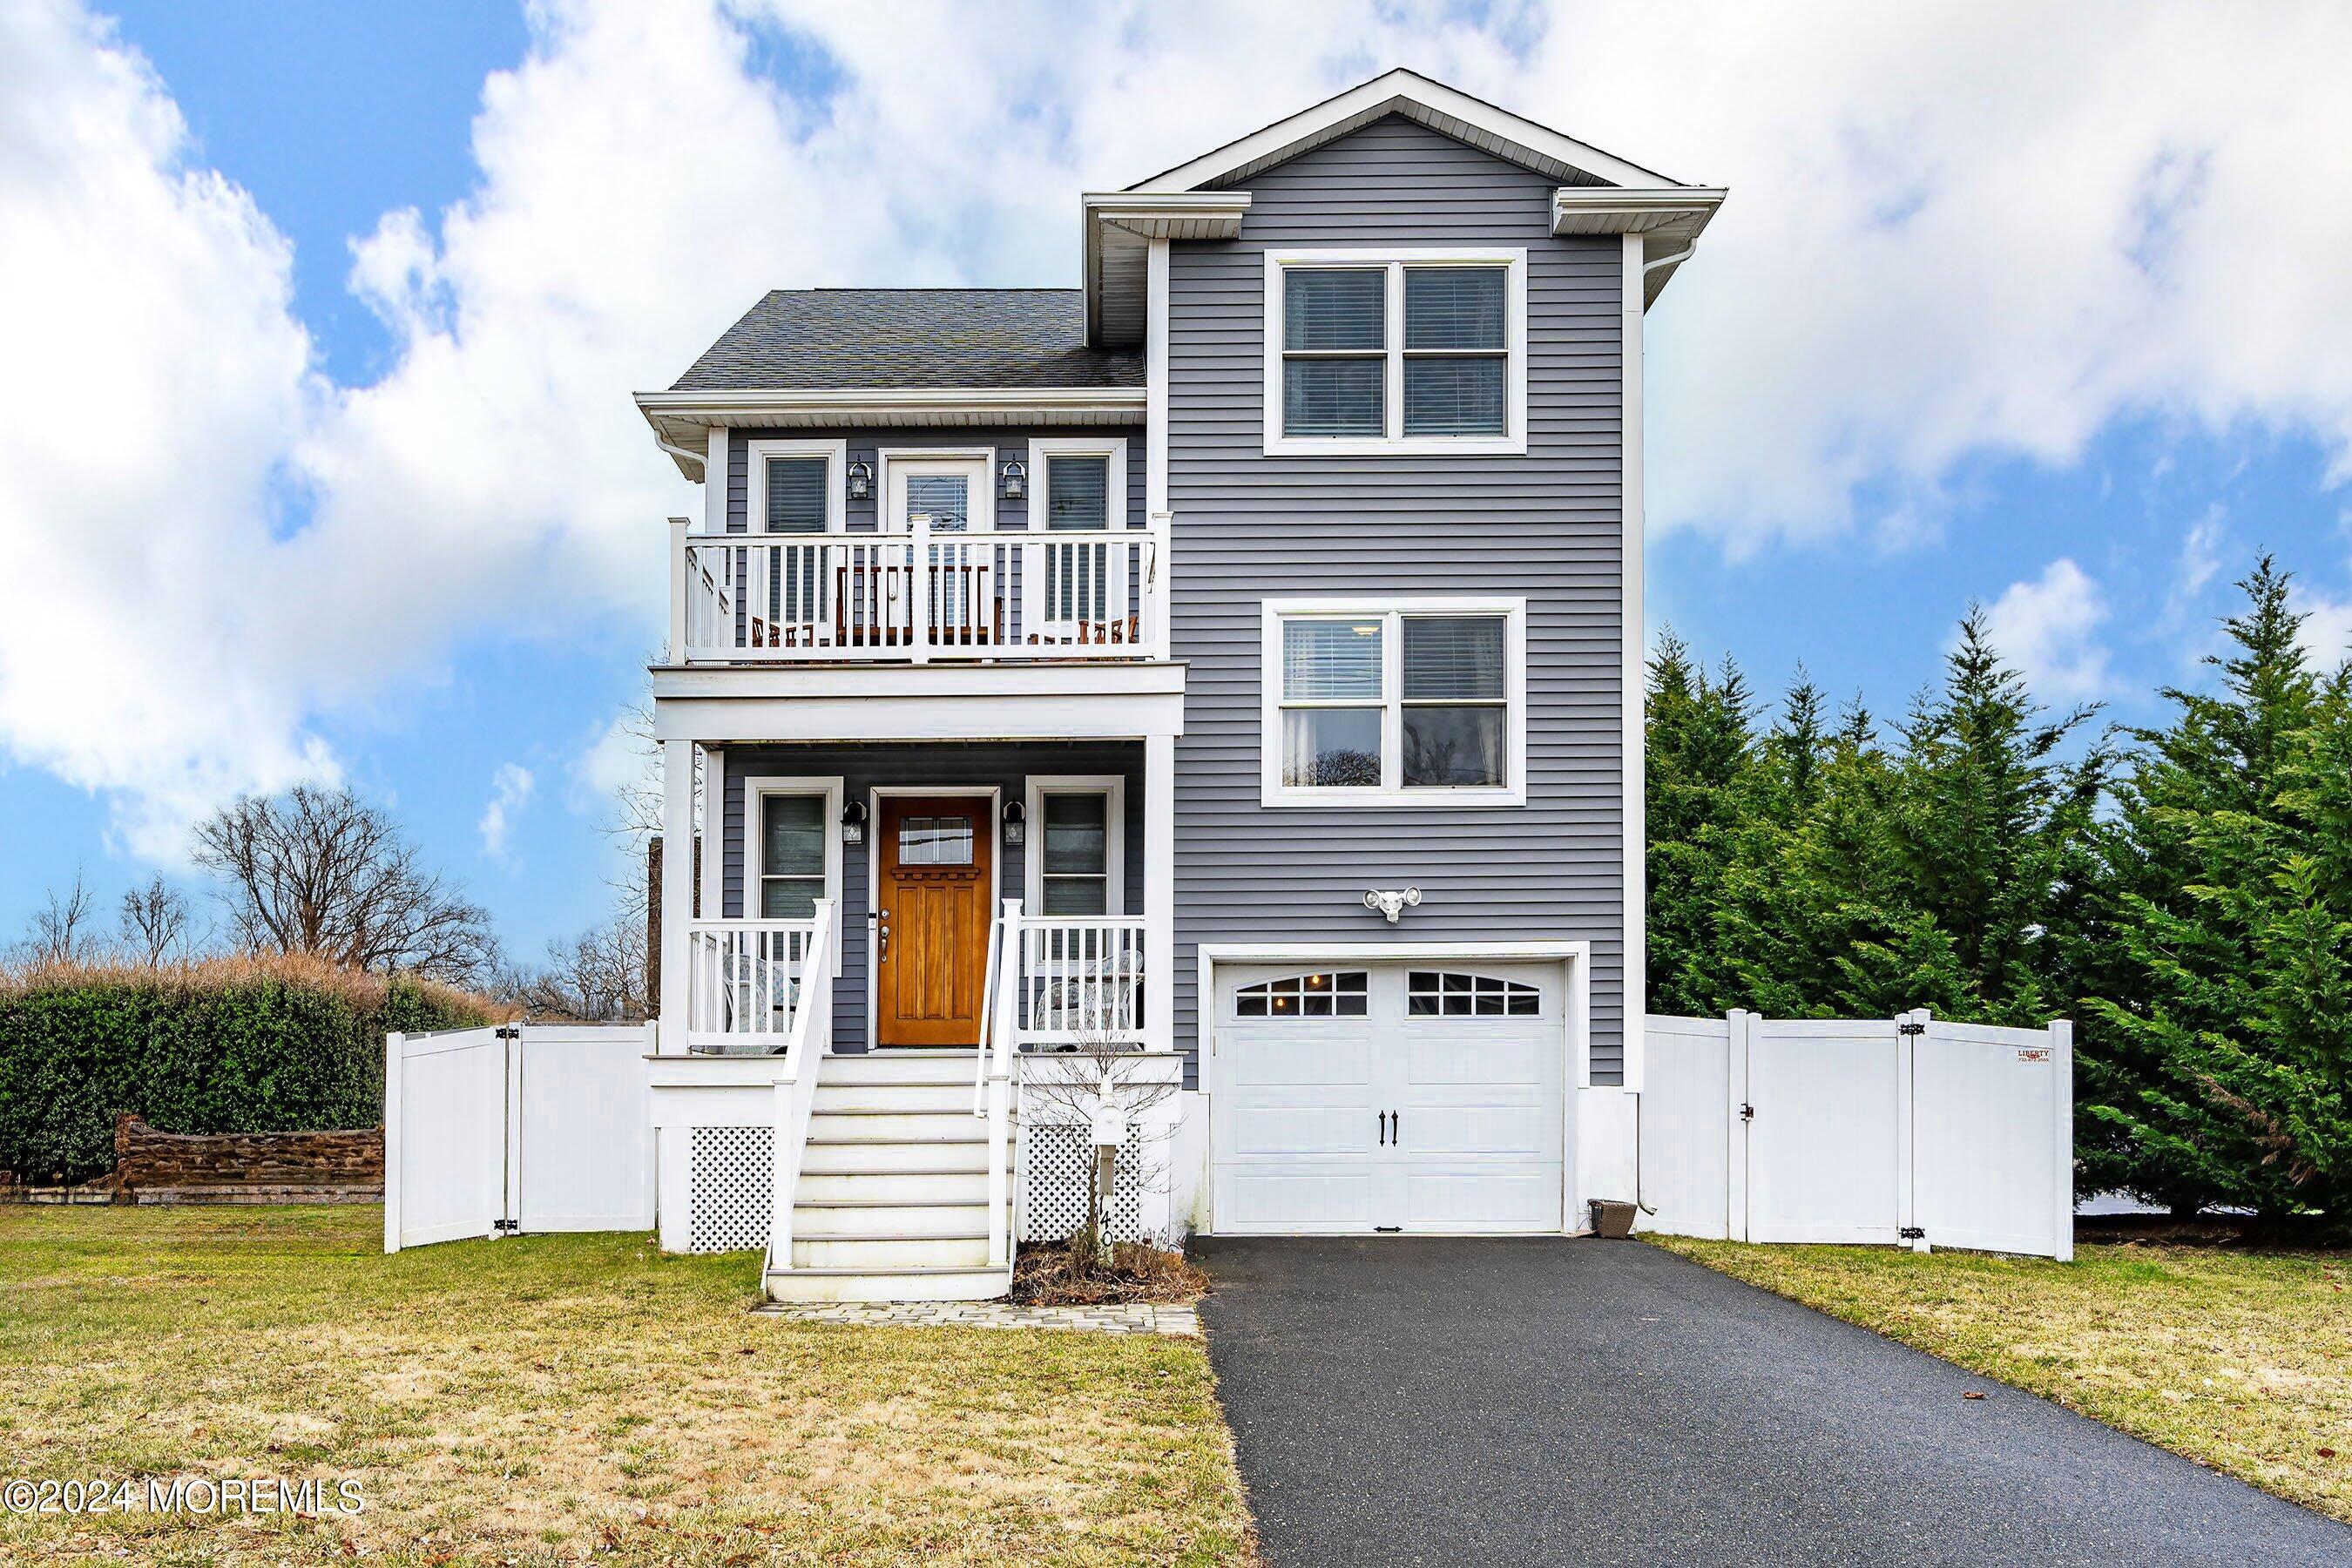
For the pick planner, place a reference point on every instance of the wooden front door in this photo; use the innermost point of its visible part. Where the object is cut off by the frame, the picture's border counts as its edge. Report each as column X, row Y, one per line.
column 931, row 904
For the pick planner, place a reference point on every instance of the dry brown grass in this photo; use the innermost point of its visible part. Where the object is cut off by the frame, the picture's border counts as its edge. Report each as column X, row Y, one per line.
column 2241, row 1360
column 1042, row 1276
column 555, row 1398
column 362, row 990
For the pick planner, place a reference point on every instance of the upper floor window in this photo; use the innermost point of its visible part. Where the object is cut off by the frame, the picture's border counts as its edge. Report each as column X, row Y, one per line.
column 1403, row 703
column 1404, row 351
column 793, row 486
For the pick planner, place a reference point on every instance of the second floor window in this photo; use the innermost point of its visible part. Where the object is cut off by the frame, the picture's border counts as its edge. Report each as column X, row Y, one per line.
column 1414, row 351
column 1395, row 705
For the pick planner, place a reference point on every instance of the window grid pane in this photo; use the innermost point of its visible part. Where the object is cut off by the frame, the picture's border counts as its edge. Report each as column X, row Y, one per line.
column 1077, row 492
column 1334, row 308
column 1077, row 836
column 946, row 498
column 1449, row 993
column 1454, row 396
column 1454, row 746
column 792, row 835
column 797, row 491
column 1331, row 748
column 1453, row 307
column 1335, row 396
column 790, row 898
column 1458, row 656
column 935, row 841
column 1331, row 660
column 1065, row 895
column 1344, row 995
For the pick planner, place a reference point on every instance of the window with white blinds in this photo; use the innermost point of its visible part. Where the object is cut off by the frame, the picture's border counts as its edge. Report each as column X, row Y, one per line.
column 1411, row 703
column 1078, row 491
column 1416, row 350
column 797, row 494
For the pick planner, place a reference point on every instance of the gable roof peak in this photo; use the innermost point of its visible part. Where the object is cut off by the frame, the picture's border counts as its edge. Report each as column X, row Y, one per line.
column 1407, row 92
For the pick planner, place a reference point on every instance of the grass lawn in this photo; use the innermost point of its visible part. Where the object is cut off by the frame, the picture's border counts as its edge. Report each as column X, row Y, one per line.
column 2242, row 1361
column 546, row 1398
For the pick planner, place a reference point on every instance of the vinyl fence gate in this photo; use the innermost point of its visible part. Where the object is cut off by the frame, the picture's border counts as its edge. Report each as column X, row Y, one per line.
column 1906, row 1130
column 518, row 1126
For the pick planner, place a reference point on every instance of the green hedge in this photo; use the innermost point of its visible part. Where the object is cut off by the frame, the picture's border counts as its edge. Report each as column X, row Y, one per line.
column 241, row 1047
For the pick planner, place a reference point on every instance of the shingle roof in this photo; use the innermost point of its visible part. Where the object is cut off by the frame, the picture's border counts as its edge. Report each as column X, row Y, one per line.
column 871, row 338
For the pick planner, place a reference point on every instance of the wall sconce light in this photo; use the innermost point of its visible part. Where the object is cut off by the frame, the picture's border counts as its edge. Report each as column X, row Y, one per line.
column 1392, row 904
column 852, row 823
column 1013, row 484
column 1017, row 821
column 861, row 481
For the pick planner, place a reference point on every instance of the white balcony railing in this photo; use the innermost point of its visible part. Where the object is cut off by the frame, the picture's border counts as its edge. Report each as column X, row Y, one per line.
column 1076, row 980
column 918, row 597
column 742, row 984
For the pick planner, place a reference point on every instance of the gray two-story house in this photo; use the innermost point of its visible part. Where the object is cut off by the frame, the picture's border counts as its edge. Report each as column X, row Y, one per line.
column 1234, row 662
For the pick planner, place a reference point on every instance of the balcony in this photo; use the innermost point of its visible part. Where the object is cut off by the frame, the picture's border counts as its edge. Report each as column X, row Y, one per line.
column 917, row 597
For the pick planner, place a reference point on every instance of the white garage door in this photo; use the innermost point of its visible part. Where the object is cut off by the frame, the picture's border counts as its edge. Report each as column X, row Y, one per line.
column 1412, row 1098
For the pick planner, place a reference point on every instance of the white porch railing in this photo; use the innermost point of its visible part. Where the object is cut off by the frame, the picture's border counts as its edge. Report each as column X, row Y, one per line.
column 1076, row 980
column 917, row 597
column 742, row 981
column 810, row 1039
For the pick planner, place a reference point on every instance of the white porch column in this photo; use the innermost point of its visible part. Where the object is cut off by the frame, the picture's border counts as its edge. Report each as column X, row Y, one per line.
column 1159, row 891
column 676, row 888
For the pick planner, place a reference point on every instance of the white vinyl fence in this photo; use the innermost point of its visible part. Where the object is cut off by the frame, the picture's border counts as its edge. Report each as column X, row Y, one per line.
column 1904, row 1129
column 520, row 1127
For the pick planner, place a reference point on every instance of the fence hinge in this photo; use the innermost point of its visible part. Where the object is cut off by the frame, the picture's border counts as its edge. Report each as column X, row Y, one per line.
column 1911, row 1028
column 1746, row 1113
column 509, row 1031
column 1912, row 1233
column 506, row 1224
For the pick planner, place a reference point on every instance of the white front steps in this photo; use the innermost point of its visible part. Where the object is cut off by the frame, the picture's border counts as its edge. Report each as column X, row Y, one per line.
column 892, row 1203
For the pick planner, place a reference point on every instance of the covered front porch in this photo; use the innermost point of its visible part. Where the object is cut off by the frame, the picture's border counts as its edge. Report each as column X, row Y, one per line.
column 959, row 872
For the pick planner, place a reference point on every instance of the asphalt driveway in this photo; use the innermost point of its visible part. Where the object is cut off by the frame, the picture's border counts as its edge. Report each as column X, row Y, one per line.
column 1399, row 1401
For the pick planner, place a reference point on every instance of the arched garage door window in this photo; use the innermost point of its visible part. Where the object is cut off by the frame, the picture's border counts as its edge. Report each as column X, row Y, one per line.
column 1346, row 993
column 1453, row 994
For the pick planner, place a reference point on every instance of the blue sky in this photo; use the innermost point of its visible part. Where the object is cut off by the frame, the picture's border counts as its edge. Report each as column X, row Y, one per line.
column 2082, row 431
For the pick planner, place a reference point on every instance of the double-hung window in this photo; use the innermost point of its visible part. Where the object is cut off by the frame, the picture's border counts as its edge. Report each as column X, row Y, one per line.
column 1405, row 702
column 1077, row 859
column 1405, row 351
column 793, row 848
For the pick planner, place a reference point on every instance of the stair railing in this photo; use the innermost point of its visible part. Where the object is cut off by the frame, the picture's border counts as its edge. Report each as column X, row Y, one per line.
column 809, row 1039
column 996, row 1058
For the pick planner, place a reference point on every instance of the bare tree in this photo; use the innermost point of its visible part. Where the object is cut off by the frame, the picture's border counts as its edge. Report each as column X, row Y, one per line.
column 322, row 871
column 1099, row 1091
column 597, row 977
column 63, row 928
column 154, row 921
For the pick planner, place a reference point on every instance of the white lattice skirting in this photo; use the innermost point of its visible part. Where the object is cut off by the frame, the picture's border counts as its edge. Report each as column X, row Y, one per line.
column 1055, row 1193
column 730, row 1174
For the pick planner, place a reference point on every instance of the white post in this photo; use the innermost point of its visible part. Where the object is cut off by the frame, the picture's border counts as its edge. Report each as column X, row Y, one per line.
column 1001, row 1044
column 395, row 1047
column 679, row 575
column 919, row 579
column 783, row 1169
column 1737, row 1028
column 676, row 890
column 1632, row 676
column 1907, row 1196
column 1162, row 582
column 1160, row 892
column 2061, row 1117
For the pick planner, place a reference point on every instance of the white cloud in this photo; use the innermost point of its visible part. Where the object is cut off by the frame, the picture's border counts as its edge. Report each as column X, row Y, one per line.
column 2048, row 628
column 510, row 788
column 1951, row 231
column 2326, row 626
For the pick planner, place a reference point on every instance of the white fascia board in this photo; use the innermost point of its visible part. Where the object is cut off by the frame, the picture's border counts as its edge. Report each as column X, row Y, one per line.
column 1397, row 91
column 1605, row 209
column 1149, row 215
column 917, row 717
column 932, row 406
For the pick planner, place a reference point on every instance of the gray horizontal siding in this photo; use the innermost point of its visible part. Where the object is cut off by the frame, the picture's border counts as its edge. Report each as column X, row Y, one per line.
column 1005, row 765
column 1545, row 526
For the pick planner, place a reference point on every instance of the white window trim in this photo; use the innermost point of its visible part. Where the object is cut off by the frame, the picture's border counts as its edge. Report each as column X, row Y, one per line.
column 1033, row 849
column 755, row 482
column 983, row 499
column 1273, row 792
column 754, row 841
column 1512, row 442
column 1044, row 449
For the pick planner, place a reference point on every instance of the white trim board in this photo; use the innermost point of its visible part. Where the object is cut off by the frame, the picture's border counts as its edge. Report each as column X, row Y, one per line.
column 1416, row 96
column 981, row 501
column 1632, row 671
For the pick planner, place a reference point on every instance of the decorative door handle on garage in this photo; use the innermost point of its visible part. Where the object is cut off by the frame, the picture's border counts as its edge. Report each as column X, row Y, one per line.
column 1391, row 1123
